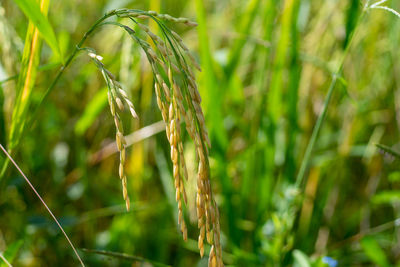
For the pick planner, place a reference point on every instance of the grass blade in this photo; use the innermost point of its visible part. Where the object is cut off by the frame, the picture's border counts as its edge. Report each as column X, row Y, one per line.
column 246, row 22
column 33, row 11
column 321, row 117
column 123, row 256
column 44, row 203
column 314, row 135
column 26, row 79
column 92, row 110
column 388, row 150
column 210, row 88
column 374, row 251
column 10, row 253
column 276, row 92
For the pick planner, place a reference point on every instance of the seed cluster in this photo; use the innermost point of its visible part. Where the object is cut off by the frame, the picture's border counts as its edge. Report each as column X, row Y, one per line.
column 179, row 101
column 116, row 98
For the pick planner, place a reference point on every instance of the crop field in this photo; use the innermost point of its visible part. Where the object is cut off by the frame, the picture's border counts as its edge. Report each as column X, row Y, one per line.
column 200, row 133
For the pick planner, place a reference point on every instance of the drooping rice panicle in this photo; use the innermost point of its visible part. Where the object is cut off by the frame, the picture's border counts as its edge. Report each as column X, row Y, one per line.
column 179, row 100
column 116, row 97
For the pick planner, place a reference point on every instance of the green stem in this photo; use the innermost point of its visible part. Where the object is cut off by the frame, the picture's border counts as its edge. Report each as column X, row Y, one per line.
column 321, row 118
column 314, row 135
column 73, row 54
column 57, row 78
column 123, row 256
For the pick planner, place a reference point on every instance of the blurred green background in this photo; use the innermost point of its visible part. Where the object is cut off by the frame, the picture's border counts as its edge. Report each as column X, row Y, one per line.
column 267, row 68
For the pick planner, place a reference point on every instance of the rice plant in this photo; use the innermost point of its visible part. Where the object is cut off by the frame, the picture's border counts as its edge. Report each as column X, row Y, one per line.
column 299, row 100
column 178, row 99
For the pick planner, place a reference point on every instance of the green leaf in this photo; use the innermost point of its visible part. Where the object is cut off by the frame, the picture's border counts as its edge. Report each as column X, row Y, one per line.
column 93, row 109
column 386, row 197
column 32, row 10
column 301, row 259
column 211, row 85
column 11, row 252
column 374, row 252
column 394, row 177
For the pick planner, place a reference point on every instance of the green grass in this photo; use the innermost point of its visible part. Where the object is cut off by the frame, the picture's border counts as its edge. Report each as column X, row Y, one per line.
column 301, row 101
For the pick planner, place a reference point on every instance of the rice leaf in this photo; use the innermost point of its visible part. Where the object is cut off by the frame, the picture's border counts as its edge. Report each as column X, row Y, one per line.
column 210, row 87
column 11, row 252
column 33, row 11
column 27, row 77
column 246, row 23
column 123, row 256
column 388, row 150
column 301, row 259
column 386, row 197
column 276, row 92
column 92, row 110
column 374, row 252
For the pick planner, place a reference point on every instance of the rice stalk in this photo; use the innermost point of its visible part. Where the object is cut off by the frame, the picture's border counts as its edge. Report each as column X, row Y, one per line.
column 321, row 118
column 178, row 100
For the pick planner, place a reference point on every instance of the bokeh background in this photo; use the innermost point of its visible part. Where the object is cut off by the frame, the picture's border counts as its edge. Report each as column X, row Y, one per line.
column 267, row 67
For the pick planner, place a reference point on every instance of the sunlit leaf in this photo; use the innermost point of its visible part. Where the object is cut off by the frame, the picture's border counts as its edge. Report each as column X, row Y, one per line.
column 92, row 110
column 386, row 197
column 301, row 259
column 32, row 10
column 374, row 252
column 11, row 252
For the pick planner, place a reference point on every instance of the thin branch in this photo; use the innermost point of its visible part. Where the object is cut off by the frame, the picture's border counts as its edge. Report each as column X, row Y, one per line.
column 372, row 231
column 41, row 200
column 5, row 260
column 301, row 176
column 123, row 256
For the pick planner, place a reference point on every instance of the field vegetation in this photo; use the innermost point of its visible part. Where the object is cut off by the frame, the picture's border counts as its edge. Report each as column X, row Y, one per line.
column 200, row 133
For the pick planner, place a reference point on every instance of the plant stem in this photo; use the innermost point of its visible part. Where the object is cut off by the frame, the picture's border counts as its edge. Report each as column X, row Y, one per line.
column 321, row 117
column 315, row 132
column 73, row 54
column 57, row 78
column 123, row 256
column 5, row 260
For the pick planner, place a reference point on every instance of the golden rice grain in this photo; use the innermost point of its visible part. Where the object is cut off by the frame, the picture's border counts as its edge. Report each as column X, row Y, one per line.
column 178, row 99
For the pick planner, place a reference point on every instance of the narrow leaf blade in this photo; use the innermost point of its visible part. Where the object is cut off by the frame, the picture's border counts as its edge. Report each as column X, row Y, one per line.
column 32, row 10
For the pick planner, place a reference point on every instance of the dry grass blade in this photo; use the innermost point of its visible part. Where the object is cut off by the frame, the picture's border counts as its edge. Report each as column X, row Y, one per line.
column 131, row 139
column 44, row 203
column 5, row 260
